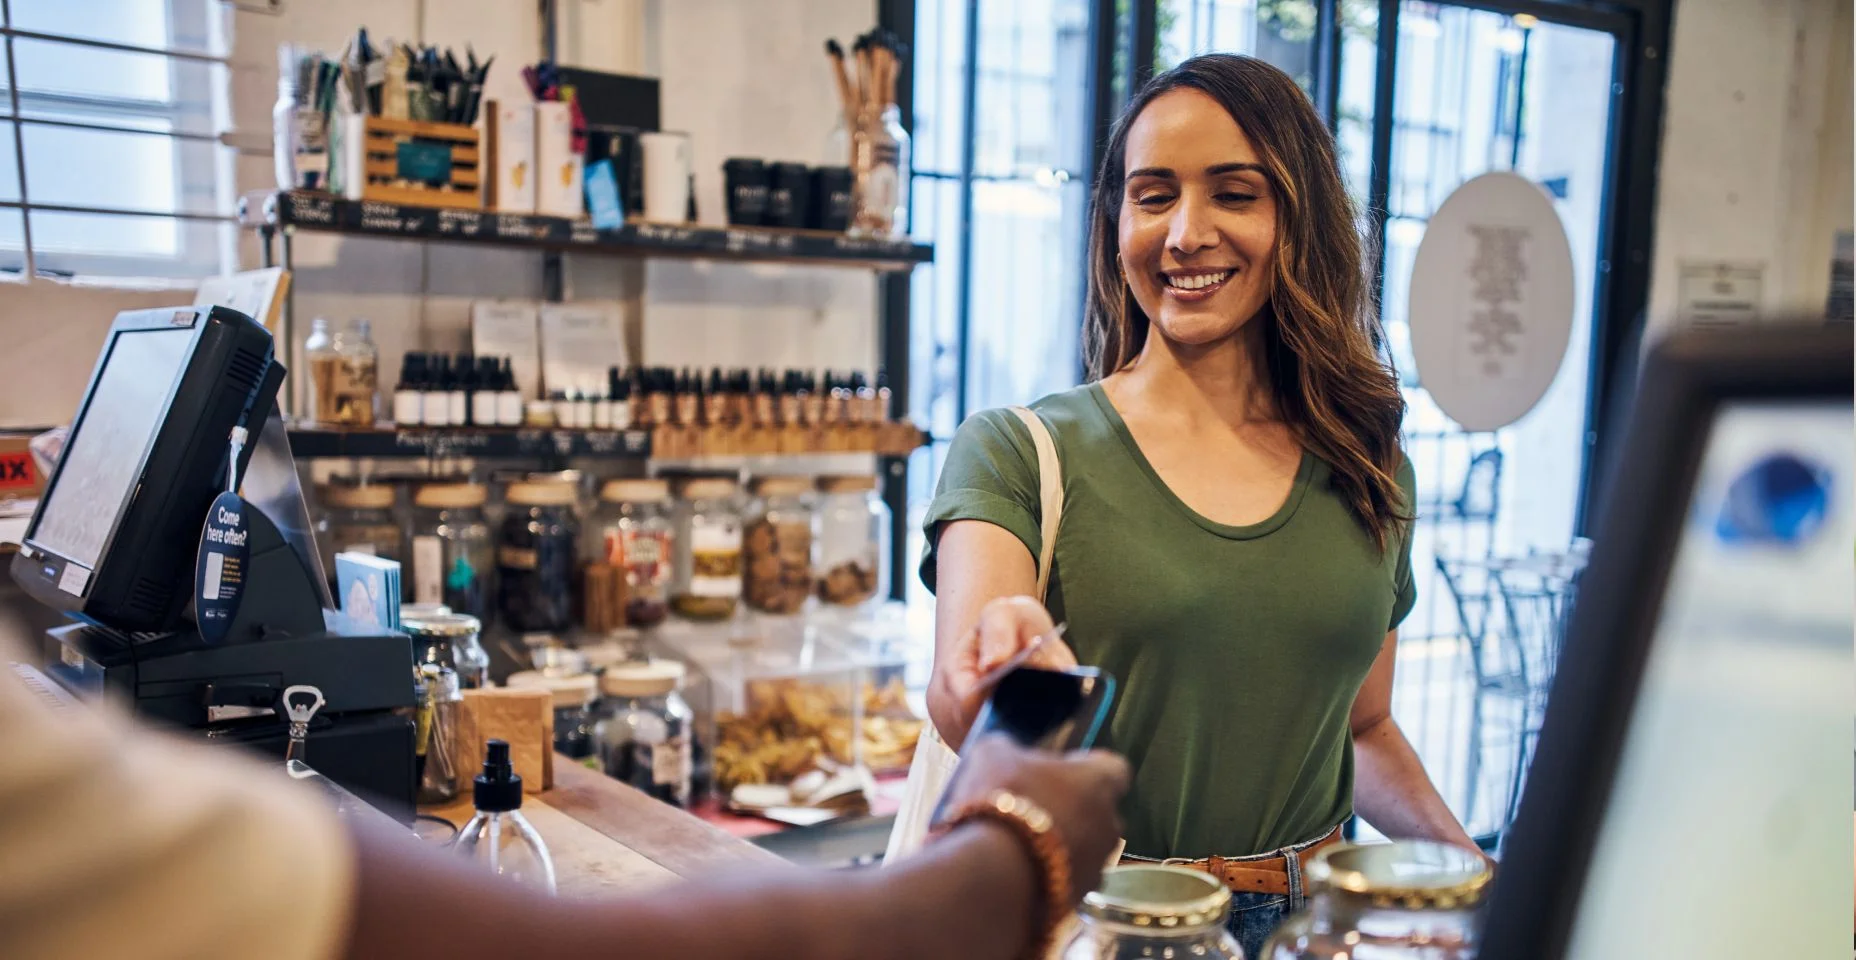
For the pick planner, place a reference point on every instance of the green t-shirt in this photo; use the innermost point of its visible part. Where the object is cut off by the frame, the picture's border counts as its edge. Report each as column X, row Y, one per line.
column 1238, row 650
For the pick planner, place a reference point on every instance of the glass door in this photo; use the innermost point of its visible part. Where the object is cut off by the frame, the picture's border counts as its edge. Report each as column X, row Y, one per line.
column 1474, row 91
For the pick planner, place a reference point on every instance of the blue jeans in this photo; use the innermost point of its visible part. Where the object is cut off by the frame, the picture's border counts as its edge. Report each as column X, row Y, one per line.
column 1254, row 917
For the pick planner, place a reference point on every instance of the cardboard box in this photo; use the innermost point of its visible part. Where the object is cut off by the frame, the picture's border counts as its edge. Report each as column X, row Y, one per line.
column 560, row 189
column 509, row 139
column 20, row 478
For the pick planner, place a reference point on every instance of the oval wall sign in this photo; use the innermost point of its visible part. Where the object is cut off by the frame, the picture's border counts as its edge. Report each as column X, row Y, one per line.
column 1491, row 300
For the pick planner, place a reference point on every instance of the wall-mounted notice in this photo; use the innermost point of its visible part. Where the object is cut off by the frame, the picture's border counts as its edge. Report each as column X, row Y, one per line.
column 1713, row 295
column 1491, row 300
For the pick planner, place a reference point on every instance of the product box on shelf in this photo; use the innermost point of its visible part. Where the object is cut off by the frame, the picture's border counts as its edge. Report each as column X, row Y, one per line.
column 559, row 188
column 509, row 145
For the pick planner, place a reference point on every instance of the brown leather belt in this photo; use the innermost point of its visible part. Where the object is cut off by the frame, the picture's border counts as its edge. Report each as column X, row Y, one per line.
column 1262, row 874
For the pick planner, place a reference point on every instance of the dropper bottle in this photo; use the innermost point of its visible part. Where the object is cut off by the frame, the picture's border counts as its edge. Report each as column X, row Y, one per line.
column 499, row 837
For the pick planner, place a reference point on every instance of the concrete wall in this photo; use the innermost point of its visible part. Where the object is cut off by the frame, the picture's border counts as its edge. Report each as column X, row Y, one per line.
column 1756, row 146
column 742, row 78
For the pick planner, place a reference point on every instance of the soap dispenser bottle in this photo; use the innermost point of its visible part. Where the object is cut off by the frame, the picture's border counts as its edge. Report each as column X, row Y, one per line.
column 499, row 838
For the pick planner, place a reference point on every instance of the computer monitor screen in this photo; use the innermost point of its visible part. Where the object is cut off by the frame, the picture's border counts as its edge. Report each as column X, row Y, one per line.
column 1743, row 711
column 104, row 454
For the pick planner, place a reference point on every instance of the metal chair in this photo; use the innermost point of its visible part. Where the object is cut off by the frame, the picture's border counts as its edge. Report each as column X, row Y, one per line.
column 1512, row 611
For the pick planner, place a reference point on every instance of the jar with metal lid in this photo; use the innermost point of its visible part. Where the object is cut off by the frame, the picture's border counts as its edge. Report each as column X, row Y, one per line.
column 777, row 545
column 643, row 735
column 452, row 552
column 413, row 611
column 632, row 530
column 356, row 518
column 537, row 555
column 707, row 580
column 573, row 707
column 450, row 639
column 1153, row 911
column 1412, row 899
column 853, row 540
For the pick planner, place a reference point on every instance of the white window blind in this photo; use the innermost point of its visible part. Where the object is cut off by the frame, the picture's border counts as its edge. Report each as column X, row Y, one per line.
column 110, row 158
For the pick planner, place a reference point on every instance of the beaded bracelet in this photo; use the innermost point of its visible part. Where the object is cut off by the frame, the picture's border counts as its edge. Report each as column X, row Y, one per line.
column 1035, row 829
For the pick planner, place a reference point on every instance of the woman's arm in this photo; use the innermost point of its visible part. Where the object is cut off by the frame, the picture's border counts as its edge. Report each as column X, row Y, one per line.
column 1390, row 788
column 983, row 614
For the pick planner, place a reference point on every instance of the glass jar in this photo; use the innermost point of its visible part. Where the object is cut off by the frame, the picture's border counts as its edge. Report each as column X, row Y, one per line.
column 536, row 556
column 1411, row 899
column 707, row 584
column 346, row 378
column 452, row 554
column 853, row 541
column 631, row 530
column 643, row 735
column 355, row 518
column 434, row 731
column 450, row 640
column 1153, row 911
column 777, row 545
column 880, row 168
column 573, row 707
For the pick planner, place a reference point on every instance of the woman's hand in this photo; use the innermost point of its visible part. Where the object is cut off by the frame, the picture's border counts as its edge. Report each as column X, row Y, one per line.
column 1079, row 790
column 1006, row 627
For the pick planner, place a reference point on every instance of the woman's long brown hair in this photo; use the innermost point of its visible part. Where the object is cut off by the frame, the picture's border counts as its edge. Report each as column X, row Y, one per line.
column 1325, row 357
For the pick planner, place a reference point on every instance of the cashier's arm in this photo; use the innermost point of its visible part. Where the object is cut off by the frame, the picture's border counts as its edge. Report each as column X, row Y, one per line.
column 969, row 895
column 1390, row 788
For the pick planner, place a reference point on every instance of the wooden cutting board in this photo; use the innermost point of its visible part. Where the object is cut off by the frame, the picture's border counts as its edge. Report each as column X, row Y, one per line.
column 524, row 718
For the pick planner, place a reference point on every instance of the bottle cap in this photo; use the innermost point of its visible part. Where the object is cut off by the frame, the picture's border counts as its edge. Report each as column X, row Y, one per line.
column 641, row 678
column 439, row 496
column 498, row 789
column 1413, row 874
column 635, row 491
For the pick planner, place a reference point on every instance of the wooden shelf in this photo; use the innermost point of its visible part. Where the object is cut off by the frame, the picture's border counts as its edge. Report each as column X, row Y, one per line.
column 491, row 442
column 306, row 210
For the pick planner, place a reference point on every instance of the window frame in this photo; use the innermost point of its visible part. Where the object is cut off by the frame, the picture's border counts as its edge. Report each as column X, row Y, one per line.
column 198, row 252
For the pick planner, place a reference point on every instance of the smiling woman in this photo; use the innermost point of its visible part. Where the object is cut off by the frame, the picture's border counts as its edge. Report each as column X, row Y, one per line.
column 1235, row 543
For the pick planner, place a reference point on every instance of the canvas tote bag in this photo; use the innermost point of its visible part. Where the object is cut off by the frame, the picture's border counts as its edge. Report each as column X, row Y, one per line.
column 934, row 761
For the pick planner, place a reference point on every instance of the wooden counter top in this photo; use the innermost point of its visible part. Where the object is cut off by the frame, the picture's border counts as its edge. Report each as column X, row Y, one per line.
column 607, row 838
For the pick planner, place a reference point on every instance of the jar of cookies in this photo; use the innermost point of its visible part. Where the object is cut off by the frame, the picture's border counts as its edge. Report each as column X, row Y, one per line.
column 631, row 530
column 707, row 582
column 778, row 545
column 853, row 540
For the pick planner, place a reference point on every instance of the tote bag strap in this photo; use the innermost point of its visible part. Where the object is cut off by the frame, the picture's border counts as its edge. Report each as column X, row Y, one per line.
column 934, row 761
column 1050, row 494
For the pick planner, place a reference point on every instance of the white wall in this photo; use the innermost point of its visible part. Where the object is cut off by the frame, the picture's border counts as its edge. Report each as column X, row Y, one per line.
column 1756, row 146
column 744, row 78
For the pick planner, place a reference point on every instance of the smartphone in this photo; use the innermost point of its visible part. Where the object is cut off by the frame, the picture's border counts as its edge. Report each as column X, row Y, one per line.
column 1055, row 710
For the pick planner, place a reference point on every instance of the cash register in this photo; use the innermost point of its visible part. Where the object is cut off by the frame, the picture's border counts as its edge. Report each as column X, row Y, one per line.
column 117, row 544
column 1689, row 796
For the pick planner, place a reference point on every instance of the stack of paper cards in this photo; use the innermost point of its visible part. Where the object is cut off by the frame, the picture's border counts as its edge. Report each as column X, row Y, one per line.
column 369, row 590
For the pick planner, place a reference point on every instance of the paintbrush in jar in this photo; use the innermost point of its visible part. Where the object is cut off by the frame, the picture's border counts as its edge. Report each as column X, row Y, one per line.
column 847, row 95
column 865, row 74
